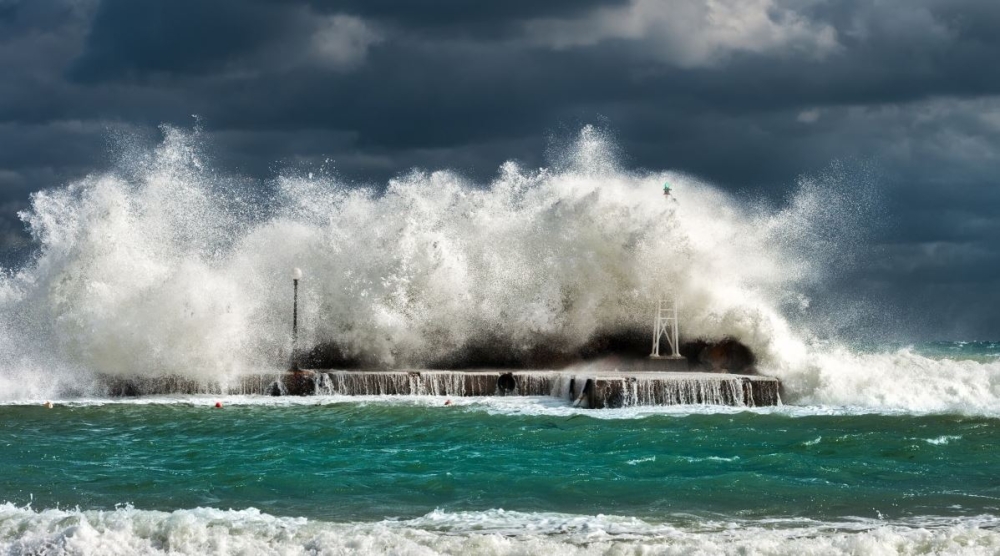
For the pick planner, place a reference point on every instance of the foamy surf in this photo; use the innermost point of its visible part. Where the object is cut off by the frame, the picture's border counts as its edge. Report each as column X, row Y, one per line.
column 898, row 380
column 129, row 531
column 542, row 406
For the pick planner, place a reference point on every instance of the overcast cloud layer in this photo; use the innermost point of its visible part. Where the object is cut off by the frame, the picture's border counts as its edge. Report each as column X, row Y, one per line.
column 749, row 94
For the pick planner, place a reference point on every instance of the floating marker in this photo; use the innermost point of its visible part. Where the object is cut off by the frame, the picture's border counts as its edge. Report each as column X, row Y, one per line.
column 218, row 405
column 48, row 405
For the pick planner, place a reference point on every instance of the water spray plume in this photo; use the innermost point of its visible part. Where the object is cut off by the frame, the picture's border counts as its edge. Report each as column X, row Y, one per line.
column 160, row 267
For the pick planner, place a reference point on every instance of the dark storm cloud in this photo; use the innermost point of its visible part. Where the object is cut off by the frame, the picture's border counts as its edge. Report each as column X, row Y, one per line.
column 142, row 37
column 459, row 15
column 133, row 38
column 751, row 95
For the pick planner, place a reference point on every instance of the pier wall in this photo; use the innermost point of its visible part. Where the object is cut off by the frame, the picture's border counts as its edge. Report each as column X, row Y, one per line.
column 692, row 389
column 593, row 390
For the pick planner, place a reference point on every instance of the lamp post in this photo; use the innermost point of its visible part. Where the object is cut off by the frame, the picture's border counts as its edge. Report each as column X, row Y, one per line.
column 296, row 276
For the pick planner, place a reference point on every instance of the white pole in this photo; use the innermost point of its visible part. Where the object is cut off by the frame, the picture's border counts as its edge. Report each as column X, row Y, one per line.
column 677, row 338
column 656, row 333
column 296, row 276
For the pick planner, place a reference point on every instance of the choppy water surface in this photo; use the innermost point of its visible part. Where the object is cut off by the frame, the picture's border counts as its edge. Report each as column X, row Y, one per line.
column 515, row 469
column 163, row 266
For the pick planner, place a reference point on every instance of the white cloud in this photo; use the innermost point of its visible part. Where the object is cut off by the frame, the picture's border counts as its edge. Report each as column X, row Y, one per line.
column 808, row 116
column 693, row 33
column 342, row 41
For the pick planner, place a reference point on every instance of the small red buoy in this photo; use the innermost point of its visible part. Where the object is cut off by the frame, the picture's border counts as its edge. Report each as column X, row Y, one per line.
column 218, row 405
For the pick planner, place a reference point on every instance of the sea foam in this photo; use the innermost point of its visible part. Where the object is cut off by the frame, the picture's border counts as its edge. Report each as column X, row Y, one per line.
column 210, row 531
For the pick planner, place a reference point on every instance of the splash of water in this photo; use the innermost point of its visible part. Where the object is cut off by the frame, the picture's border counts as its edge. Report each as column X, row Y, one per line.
column 162, row 267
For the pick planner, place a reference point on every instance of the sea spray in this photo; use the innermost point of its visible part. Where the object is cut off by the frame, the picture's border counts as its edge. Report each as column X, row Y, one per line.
column 160, row 266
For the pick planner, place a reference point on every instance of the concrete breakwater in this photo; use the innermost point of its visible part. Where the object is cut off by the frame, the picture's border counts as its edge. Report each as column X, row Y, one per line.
column 593, row 390
column 682, row 389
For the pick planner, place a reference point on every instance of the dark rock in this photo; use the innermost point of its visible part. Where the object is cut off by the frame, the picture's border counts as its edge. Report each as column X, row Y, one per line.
column 330, row 355
column 628, row 343
column 628, row 347
column 724, row 356
column 493, row 351
column 692, row 350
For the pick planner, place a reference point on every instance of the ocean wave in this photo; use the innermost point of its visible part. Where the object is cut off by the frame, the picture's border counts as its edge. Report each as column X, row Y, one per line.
column 162, row 266
column 127, row 530
column 901, row 380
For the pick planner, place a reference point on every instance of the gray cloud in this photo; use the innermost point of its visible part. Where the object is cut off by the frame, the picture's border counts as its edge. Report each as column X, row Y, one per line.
column 749, row 94
column 691, row 34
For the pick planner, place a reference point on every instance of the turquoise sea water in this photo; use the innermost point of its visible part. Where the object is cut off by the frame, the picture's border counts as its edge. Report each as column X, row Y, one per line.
column 514, row 475
column 345, row 461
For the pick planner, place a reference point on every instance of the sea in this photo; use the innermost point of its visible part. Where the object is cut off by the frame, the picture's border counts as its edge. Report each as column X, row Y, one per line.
column 164, row 266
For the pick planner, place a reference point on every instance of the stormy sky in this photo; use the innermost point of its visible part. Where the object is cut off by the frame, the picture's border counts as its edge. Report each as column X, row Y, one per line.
column 748, row 94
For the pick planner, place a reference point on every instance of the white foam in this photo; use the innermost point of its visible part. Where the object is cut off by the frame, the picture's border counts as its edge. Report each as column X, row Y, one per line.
column 901, row 380
column 210, row 531
column 940, row 440
column 512, row 405
column 158, row 268
column 162, row 267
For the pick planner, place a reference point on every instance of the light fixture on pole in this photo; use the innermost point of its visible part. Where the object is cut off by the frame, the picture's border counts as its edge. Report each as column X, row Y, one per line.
column 296, row 276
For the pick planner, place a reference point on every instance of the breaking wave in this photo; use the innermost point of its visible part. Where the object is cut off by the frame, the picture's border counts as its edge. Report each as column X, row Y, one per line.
column 161, row 266
column 204, row 530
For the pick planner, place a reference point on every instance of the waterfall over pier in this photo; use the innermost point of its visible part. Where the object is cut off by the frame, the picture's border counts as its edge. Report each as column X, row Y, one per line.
column 606, row 389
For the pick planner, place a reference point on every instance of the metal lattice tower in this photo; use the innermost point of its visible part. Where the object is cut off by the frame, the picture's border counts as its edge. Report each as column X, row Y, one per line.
column 666, row 325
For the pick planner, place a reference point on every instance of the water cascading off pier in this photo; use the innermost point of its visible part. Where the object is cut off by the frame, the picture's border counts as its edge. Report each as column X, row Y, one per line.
column 592, row 390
